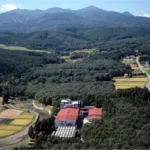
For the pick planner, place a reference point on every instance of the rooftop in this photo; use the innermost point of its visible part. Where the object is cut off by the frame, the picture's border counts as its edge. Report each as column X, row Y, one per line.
column 67, row 114
column 95, row 111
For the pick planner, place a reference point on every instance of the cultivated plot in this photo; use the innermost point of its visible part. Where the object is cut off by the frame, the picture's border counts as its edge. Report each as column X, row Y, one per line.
column 126, row 83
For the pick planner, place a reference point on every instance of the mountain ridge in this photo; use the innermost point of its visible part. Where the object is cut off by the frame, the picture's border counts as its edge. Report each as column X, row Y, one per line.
column 24, row 20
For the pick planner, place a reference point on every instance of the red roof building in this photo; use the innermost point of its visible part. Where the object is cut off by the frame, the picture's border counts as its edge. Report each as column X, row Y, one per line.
column 67, row 116
column 95, row 113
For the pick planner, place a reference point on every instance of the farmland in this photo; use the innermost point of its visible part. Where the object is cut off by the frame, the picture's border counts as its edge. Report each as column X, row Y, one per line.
column 147, row 69
column 13, row 121
column 125, row 83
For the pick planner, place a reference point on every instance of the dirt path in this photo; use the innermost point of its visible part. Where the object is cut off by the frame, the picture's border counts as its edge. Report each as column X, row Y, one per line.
column 19, row 136
column 143, row 71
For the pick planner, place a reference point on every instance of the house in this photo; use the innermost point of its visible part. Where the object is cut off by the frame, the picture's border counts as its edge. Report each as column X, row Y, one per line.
column 70, row 104
column 67, row 117
column 95, row 114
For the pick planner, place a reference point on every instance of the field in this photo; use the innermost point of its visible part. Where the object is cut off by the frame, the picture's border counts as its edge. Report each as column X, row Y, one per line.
column 147, row 69
column 13, row 121
column 23, row 122
column 89, row 51
column 10, row 113
column 18, row 48
column 125, row 83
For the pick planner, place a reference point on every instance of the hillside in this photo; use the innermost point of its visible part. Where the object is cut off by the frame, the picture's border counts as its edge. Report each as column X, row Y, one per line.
column 72, row 38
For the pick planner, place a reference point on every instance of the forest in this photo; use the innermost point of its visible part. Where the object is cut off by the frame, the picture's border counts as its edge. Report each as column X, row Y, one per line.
column 48, row 78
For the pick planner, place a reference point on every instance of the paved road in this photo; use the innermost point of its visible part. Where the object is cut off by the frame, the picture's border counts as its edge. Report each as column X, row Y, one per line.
column 143, row 71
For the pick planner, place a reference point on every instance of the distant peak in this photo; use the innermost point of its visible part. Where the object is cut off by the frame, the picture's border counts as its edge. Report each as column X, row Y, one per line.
column 127, row 13
column 91, row 8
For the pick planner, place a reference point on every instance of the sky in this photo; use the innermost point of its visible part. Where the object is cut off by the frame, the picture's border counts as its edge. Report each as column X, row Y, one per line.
column 136, row 7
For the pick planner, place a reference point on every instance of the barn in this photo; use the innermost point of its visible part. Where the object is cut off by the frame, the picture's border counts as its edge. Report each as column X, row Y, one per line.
column 67, row 117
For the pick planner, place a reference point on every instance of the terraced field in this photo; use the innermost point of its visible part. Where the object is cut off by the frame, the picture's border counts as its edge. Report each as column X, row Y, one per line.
column 126, row 83
column 17, row 123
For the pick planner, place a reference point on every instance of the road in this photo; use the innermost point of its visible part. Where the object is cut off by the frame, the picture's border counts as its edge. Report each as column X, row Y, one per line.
column 143, row 71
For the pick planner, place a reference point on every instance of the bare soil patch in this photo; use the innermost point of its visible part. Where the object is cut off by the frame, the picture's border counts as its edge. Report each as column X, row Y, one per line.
column 1, row 99
column 10, row 113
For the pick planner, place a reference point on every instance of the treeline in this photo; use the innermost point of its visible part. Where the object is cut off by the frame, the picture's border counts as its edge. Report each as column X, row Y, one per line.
column 17, row 63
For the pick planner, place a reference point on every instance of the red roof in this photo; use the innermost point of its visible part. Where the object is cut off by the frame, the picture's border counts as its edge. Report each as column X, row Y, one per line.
column 67, row 114
column 94, row 117
column 95, row 111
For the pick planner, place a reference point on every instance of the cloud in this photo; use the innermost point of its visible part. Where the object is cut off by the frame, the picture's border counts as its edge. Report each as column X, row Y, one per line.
column 8, row 7
column 145, row 15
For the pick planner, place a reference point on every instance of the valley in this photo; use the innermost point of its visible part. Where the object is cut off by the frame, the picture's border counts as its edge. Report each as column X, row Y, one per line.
column 98, row 66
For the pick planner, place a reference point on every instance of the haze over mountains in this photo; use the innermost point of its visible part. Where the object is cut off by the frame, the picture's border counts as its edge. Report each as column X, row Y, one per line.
column 23, row 20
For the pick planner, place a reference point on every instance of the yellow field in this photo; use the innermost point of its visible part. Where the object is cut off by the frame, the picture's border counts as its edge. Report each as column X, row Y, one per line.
column 147, row 69
column 4, row 133
column 128, row 86
column 11, row 127
column 126, row 83
column 26, row 116
column 21, row 122
column 134, row 67
column 130, row 79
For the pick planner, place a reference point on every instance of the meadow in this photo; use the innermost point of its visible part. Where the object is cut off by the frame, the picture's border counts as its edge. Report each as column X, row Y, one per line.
column 19, row 48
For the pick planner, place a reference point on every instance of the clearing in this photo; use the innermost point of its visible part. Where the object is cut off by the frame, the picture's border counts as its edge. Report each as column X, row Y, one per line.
column 18, row 48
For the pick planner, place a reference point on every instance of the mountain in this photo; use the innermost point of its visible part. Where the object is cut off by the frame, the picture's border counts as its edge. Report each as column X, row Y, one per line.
column 24, row 20
column 127, row 13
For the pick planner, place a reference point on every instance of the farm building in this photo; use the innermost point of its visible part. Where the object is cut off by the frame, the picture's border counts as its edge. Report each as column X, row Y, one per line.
column 67, row 117
column 70, row 104
column 95, row 113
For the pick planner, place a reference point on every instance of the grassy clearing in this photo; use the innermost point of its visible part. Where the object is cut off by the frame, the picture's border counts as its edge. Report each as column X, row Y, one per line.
column 68, row 58
column 129, row 61
column 125, row 83
column 22, row 143
column 18, row 48
column 89, row 51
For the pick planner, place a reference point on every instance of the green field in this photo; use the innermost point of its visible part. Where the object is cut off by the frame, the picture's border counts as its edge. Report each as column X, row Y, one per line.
column 5, row 121
column 18, row 48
